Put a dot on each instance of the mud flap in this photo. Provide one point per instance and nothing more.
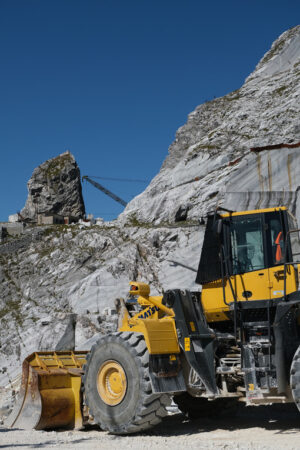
(168, 384)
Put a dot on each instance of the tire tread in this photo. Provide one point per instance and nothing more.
(295, 378)
(151, 408)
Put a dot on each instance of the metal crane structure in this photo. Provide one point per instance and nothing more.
(106, 191)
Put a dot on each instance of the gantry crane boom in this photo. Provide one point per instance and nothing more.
(106, 191)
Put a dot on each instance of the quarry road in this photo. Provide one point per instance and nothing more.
(272, 427)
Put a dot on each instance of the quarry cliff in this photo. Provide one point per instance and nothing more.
(211, 156)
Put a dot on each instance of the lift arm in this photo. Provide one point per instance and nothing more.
(103, 189)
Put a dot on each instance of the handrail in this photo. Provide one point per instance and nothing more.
(287, 263)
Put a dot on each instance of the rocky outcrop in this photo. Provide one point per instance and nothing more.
(55, 188)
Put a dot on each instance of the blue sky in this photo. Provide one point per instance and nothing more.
(113, 80)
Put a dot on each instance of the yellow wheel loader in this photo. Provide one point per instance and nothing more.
(236, 340)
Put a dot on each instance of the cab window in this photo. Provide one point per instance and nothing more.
(247, 249)
(294, 237)
(276, 225)
(277, 240)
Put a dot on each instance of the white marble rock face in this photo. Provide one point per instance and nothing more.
(81, 270)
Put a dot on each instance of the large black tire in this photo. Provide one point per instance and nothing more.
(295, 378)
(196, 407)
(139, 409)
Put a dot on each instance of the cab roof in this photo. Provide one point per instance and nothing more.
(254, 211)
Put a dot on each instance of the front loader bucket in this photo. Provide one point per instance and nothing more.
(50, 395)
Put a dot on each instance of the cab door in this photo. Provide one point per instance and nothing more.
(250, 286)
(276, 275)
(277, 224)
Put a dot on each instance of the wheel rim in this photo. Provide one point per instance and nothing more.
(111, 382)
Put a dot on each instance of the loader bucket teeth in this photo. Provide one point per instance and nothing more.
(50, 394)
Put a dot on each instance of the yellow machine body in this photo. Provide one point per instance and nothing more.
(265, 284)
(156, 321)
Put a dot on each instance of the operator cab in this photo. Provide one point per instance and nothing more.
(243, 259)
(256, 241)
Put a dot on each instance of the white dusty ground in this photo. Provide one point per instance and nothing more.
(273, 427)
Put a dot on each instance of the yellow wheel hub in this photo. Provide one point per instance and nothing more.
(111, 383)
